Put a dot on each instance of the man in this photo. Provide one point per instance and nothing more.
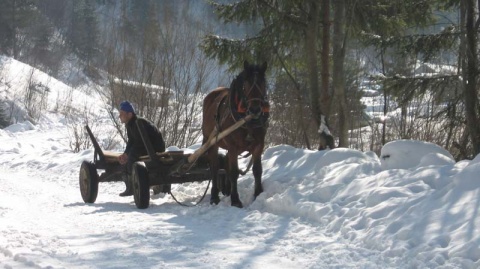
(135, 146)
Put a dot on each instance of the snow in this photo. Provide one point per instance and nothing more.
(407, 154)
(20, 127)
(340, 208)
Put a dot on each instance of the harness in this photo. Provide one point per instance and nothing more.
(235, 104)
(238, 101)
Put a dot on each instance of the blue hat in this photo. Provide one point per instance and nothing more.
(127, 107)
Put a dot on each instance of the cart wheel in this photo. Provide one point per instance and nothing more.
(141, 187)
(88, 180)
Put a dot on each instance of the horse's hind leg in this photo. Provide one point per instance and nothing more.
(223, 180)
(257, 173)
(213, 160)
(233, 176)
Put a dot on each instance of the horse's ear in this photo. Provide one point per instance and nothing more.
(245, 65)
(264, 67)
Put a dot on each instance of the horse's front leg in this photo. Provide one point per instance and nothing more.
(257, 172)
(213, 160)
(233, 176)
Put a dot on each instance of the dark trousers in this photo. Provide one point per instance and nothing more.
(129, 166)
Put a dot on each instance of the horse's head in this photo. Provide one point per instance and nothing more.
(255, 88)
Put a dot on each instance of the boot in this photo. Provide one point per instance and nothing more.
(129, 189)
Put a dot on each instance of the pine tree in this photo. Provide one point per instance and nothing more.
(285, 28)
(15, 16)
(83, 31)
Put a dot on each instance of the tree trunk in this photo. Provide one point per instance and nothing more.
(325, 76)
(339, 38)
(311, 59)
(320, 97)
(470, 75)
(403, 121)
(14, 29)
(385, 100)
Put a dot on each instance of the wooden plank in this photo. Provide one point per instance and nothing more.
(164, 156)
(111, 156)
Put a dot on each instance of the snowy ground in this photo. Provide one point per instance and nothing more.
(412, 207)
(332, 209)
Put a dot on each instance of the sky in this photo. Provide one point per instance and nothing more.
(411, 207)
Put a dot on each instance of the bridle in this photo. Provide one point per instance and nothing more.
(263, 100)
(238, 106)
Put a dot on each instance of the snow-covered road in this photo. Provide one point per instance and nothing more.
(333, 209)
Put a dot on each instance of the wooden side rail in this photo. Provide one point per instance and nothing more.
(96, 146)
(164, 157)
(112, 156)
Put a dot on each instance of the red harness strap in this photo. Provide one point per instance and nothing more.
(266, 108)
(242, 109)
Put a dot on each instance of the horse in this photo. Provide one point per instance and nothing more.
(223, 107)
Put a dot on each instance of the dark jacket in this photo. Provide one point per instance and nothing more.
(135, 146)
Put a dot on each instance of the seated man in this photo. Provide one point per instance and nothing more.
(135, 146)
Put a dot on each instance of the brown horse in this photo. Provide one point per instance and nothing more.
(222, 108)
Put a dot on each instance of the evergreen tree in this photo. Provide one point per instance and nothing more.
(285, 27)
(15, 16)
(83, 31)
(26, 33)
(456, 91)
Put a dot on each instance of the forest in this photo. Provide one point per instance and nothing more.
(373, 71)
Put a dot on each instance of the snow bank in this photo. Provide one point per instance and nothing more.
(405, 154)
(20, 127)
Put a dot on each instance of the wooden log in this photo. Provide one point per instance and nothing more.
(215, 136)
(111, 156)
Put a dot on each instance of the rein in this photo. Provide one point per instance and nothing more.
(190, 165)
(197, 203)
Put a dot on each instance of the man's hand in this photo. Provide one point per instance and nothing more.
(123, 159)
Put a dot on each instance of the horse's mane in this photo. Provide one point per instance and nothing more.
(235, 95)
(237, 84)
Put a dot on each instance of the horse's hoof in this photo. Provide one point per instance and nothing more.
(237, 204)
(214, 201)
(257, 193)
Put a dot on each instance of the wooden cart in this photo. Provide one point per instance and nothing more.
(156, 168)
